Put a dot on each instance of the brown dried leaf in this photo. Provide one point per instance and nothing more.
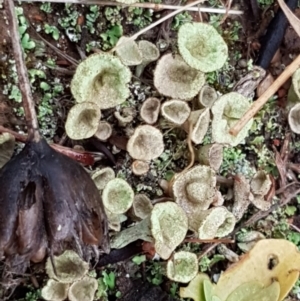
(294, 21)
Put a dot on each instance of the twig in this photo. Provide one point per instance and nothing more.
(163, 19)
(153, 6)
(282, 189)
(208, 241)
(18, 137)
(209, 249)
(258, 104)
(73, 61)
(261, 214)
(295, 228)
(28, 104)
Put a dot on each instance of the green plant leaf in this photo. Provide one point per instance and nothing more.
(208, 289)
(109, 279)
(26, 42)
(44, 86)
(139, 259)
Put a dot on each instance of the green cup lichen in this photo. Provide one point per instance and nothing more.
(83, 289)
(227, 111)
(55, 291)
(215, 222)
(202, 47)
(182, 267)
(146, 143)
(103, 79)
(69, 267)
(128, 52)
(83, 120)
(103, 176)
(294, 118)
(150, 110)
(117, 196)
(175, 111)
(174, 78)
(150, 53)
(169, 225)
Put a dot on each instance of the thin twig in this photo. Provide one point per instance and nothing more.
(295, 228)
(209, 241)
(18, 137)
(282, 189)
(259, 103)
(58, 51)
(163, 19)
(28, 104)
(209, 249)
(261, 214)
(153, 6)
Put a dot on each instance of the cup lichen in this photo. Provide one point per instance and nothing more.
(174, 78)
(117, 196)
(101, 78)
(202, 47)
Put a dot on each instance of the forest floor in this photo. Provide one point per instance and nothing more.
(56, 36)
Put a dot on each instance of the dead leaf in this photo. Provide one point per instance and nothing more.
(255, 291)
(269, 259)
(294, 21)
(195, 290)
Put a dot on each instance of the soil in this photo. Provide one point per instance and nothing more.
(243, 38)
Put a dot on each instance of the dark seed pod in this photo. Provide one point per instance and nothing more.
(48, 201)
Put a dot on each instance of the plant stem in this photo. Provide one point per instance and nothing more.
(28, 104)
(153, 6)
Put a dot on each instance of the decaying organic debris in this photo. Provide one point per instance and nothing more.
(48, 201)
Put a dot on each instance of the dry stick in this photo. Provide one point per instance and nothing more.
(261, 214)
(209, 241)
(258, 104)
(28, 104)
(18, 137)
(135, 36)
(153, 6)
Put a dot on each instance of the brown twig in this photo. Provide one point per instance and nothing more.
(28, 104)
(228, 6)
(163, 19)
(18, 137)
(208, 241)
(258, 104)
(154, 6)
(209, 249)
(295, 228)
(261, 214)
(71, 60)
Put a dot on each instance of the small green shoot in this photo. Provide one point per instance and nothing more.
(139, 259)
(290, 210)
(109, 279)
(46, 7)
(111, 36)
(52, 30)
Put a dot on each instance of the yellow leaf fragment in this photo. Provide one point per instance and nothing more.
(269, 260)
(195, 290)
(255, 291)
